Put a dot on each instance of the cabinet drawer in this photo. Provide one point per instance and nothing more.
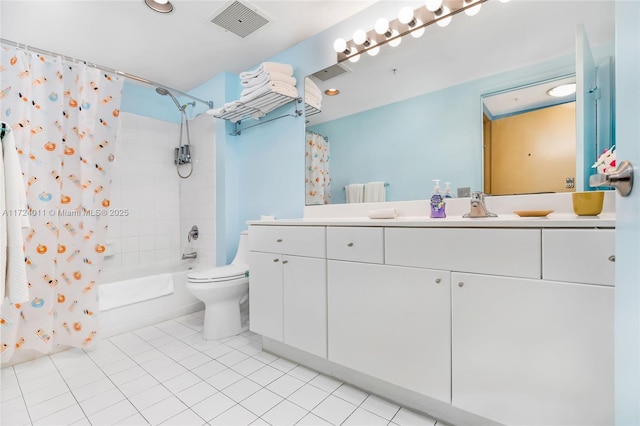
(578, 255)
(355, 243)
(297, 240)
(508, 252)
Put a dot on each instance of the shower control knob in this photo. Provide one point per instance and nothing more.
(350, 245)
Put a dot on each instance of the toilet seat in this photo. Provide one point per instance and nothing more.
(216, 275)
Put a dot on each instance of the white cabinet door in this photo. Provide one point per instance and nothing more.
(305, 304)
(392, 323)
(532, 352)
(265, 294)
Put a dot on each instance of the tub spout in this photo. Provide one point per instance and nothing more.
(191, 255)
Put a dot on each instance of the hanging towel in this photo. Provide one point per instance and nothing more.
(374, 192)
(355, 193)
(13, 272)
(122, 293)
(268, 67)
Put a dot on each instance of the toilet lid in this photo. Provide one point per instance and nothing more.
(223, 273)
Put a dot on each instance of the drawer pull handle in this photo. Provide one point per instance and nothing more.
(438, 280)
(460, 284)
(612, 258)
(350, 245)
(279, 240)
(284, 262)
(276, 260)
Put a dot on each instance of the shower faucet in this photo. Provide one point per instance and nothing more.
(193, 233)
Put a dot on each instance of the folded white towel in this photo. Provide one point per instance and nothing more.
(374, 192)
(265, 77)
(122, 293)
(250, 89)
(228, 107)
(391, 213)
(313, 101)
(355, 193)
(311, 88)
(268, 67)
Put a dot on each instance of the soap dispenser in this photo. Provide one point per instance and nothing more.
(437, 202)
(447, 190)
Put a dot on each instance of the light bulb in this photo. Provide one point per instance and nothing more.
(396, 42)
(417, 33)
(472, 10)
(340, 45)
(162, 1)
(433, 5)
(381, 26)
(355, 56)
(359, 37)
(505, 1)
(373, 51)
(406, 15)
(445, 21)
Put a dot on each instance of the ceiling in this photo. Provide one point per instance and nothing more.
(181, 49)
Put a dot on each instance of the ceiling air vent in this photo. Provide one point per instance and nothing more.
(239, 18)
(331, 72)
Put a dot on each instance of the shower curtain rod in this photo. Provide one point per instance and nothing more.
(103, 68)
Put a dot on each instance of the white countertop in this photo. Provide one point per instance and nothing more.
(553, 220)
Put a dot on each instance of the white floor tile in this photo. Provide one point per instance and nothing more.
(285, 385)
(146, 356)
(113, 414)
(218, 351)
(138, 385)
(265, 357)
(261, 402)
(51, 379)
(334, 410)
(16, 415)
(241, 389)
(223, 379)
(284, 414)
(149, 333)
(232, 358)
(260, 422)
(10, 393)
(303, 373)
(45, 393)
(66, 416)
(157, 363)
(283, 365)
(196, 393)
(406, 417)
(194, 360)
(163, 410)
(129, 375)
(51, 406)
(251, 349)
(351, 394)
(266, 375)
(238, 342)
(248, 366)
(325, 383)
(208, 369)
(213, 406)
(135, 420)
(308, 396)
(380, 407)
(92, 389)
(186, 418)
(363, 417)
(12, 406)
(118, 366)
(234, 416)
(168, 372)
(312, 420)
(181, 382)
(101, 401)
(149, 397)
(84, 378)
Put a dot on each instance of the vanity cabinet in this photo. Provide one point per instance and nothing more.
(287, 291)
(392, 323)
(532, 351)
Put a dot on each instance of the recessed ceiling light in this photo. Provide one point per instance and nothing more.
(331, 92)
(162, 6)
(562, 90)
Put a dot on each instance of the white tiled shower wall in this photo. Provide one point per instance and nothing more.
(147, 187)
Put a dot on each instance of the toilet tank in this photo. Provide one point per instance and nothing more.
(242, 255)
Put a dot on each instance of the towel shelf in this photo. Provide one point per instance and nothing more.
(310, 110)
(251, 109)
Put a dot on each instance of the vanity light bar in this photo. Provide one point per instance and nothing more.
(422, 18)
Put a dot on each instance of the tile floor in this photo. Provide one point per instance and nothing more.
(166, 374)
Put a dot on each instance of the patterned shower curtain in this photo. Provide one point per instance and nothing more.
(64, 119)
(318, 178)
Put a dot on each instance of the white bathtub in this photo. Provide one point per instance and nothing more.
(141, 314)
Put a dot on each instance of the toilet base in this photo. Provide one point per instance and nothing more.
(222, 320)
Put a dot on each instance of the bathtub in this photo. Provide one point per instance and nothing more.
(141, 314)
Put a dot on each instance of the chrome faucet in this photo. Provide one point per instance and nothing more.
(478, 208)
(191, 255)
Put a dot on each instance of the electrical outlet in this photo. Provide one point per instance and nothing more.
(570, 182)
(464, 192)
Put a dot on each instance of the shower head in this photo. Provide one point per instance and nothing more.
(162, 91)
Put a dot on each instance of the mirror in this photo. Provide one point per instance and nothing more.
(412, 113)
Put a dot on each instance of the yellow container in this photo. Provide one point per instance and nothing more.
(588, 203)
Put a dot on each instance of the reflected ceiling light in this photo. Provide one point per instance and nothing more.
(395, 42)
(505, 1)
(473, 10)
(562, 90)
(406, 15)
(340, 46)
(332, 92)
(419, 31)
(443, 11)
(433, 5)
(354, 55)
(374, 49)
(162, 6)
(381, 26)
(359, 37)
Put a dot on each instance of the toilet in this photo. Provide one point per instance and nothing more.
(225, 293)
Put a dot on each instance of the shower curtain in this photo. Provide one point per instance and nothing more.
(318, 178)
(64, 119)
